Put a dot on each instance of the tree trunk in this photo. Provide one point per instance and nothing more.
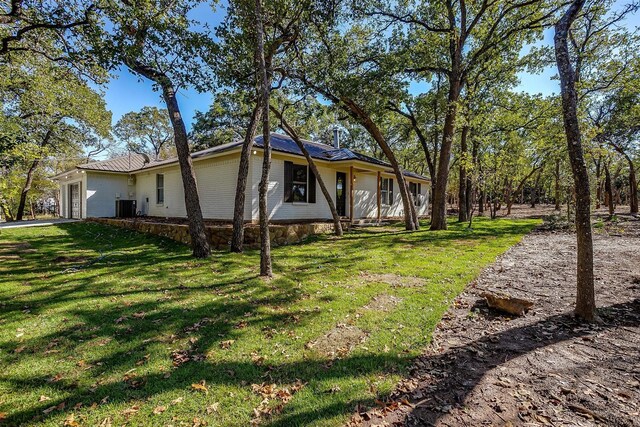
(27, 185)
(633, 188)
(337, 226)
(508, 199)
(364, 119)
(197, 232)
(422, 139)
(439, 214)
(463, 214)
(471, 191)
(7, 212)
(26, 188)
(585, 298)
(598, 181)
(265, 86)
(557, 185)
(534, 191)
(608, 189)
(237, 236)
(410, 214)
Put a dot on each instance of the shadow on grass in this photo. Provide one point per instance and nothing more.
(234, 291)
(449, 388)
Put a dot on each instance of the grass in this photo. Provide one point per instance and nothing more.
(95, 322)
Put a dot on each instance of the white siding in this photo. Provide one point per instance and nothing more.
(173, 205)
(397, 208)
(281, 210)
(217, 182)
(216, 179)
(366, 195)
(423, 209)
(102, 191)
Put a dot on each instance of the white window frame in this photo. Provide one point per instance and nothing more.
(384, 192)
(159, 188)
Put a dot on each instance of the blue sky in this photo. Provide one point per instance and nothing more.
(127, 92)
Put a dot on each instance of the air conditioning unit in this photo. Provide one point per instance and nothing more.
(125, 208)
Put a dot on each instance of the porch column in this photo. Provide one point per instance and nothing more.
(379, 197)
(351, 192)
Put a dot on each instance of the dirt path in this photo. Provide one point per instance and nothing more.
(541, 369)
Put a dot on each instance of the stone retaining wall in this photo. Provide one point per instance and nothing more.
(220, 235)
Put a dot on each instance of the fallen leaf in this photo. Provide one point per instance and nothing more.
(213, 408)
(257, 359)
(159, 409)
(240, 325)
(178, 400)
(131, 411)
(55, 378)
(144, 360)
(43, 398)
(3, 416)
(197, 422)
(106, 422)
(334, 389)
(20, 349)
(139, 315)
(58, 407)
(70, 421)
(226, 344)
(201, 386)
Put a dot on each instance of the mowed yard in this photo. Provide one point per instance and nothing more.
(103, 326)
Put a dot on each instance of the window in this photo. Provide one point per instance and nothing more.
(299, 188)
(160, 188)
(299, 183)
(386, 191)
(416, 191)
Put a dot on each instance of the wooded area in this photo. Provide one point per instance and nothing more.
(510, 298)
(430, 86)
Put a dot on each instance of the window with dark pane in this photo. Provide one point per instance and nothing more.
(414, 189)
(159, 188)
(386, 191)
(300, 180)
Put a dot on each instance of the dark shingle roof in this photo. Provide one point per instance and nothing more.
(280, 143)
(321, 151)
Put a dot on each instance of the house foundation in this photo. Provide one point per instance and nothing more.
(220, 235)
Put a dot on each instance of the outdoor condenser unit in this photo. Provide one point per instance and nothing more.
(125, 208)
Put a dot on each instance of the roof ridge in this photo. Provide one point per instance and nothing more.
(307, 141)
(97, 162)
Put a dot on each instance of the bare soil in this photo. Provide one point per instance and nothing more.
(393, 280)
(383, 302)
(545, 368)
(339, 341)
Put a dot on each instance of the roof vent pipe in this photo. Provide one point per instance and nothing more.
(336, 138)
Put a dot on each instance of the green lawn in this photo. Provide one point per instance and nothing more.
(103, 325)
